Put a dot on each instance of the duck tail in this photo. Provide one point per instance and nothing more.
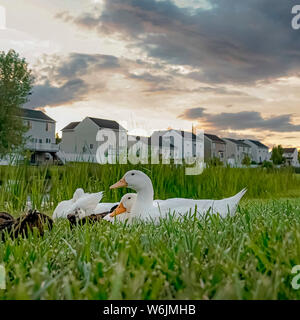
(237, 199)
(240, 195)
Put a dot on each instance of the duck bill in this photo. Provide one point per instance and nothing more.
(119, 210)
(120, 184)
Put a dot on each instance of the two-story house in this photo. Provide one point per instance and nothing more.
(236, 151)
(40, 136)
(179, 144)
(259, 151)
(214, 147)
(291, 156)
(79, 139)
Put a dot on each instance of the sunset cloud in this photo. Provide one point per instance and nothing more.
(242, 120)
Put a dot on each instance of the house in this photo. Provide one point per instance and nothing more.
(176, 144)
(40, 136)
(79, 139)
(259, 152)
(139, 146)
(236, 151)
(291, 156)
(214, 147)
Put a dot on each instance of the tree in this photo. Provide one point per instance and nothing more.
(277, 155)
(246, 161)
(15, 86)
(57, 138)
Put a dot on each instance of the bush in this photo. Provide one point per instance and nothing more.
(267, 164)
(246, 161)
(215, 162)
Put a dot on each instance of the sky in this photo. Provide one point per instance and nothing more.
(229, 67)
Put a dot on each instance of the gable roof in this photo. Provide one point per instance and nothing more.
(108, 124)
(70, 126)
(258, 144)
(214, 138)
(238, 142)
(289, 150)
(184, 134)
(35, 115)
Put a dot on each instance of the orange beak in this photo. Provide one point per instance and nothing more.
(120, 209)
(120, 184)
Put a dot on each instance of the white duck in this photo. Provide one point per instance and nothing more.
(123, 211)
(84, 204)
(145, 208)
(63, 206)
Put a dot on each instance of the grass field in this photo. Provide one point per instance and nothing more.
(249, 256)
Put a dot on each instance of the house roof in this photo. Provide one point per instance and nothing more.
(214, 138)
(70, 126)
(289, 150)
(259, 144)
(108, 124)
(36, 115)
(184, 134)
(238, 142)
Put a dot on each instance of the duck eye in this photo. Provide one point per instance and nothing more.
(129, 198)
(132, 174)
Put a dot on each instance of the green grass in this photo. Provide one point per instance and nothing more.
(249, 256)
(59, 183)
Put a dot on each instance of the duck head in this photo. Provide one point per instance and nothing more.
(134, 179)
(126, 204)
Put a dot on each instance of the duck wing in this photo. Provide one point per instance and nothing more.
(86, 203)
(181, 206)
(62, 208)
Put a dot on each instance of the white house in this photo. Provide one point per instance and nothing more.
(259, 152)
(176, 144)
(40, 137)
(79, 139)
(291, 156)
(236, 151)
(214, 147)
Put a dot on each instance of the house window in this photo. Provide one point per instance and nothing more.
(91, 146)
(48, 140)
(41, 141)
(48, 126)
(29, 124)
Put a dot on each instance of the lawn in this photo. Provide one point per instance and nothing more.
(248, 256)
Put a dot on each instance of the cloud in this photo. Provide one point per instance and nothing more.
(78, 76)
(242, 120)
(231, 42)
(47, 94)
(78, 64)
(63, 80)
